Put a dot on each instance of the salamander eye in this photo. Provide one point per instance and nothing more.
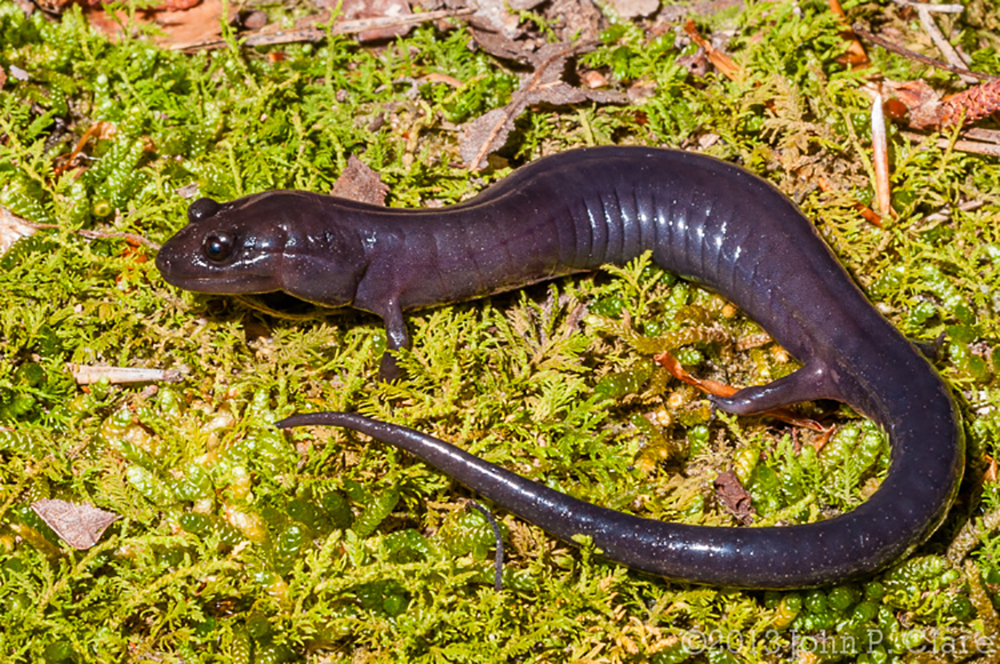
(217, 247)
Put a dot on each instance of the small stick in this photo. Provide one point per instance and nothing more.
(941, 9)
(976, 147)
(889, 46)
(987, 135)
(720, 60)
(866, 212)
(313, 34)
(950, 54)
(131, 238)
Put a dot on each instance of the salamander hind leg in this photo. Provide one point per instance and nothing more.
(812, 381)
(396, 338)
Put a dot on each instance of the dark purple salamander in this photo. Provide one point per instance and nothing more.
(702, 218)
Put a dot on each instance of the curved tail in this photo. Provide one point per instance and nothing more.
(854, 544)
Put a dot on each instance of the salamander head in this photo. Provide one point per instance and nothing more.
(274, 241)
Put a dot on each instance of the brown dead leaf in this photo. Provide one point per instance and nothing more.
(922, 102)
(178, 20)
(485, 134)
(855, 56)
(12, 229)
(254, 20)
(79, 524)
(570, 20)
(359, 182)
(577, 20)
(734, 497)
(990, 474)
(51, 6)
(58, 6)
(187, 25)
(437, 77)
(496, 44)
(544, 85)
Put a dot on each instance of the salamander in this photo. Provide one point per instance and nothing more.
(702, 218)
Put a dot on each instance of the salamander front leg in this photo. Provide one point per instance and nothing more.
(812, 381)
(395, 339)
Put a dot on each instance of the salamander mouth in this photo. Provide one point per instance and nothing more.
(241, 285)
(182, 274)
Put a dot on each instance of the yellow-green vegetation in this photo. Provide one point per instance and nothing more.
(239, 543)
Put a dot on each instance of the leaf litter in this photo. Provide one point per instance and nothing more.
(545, 84)
(78, 524)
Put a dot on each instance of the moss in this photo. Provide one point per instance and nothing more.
(241, 544)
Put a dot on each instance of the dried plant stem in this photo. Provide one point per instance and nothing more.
(941, 9)
(889, 46)
(975, 147)
(314, 34)
(131, 238)
(880, 157)
(943, 45)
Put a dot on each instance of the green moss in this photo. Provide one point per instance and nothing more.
(238, 543)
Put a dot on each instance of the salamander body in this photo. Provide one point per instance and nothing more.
(704, 219)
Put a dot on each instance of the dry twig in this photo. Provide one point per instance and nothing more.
(889, 46)
(976, 147)
(943, 45)
(314, 34)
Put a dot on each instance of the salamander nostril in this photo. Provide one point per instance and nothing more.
(202, 209)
